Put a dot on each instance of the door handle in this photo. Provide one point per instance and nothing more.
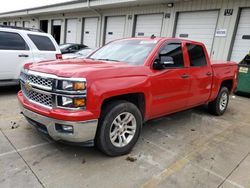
(209, 74)
(185, 76)
(23, 55)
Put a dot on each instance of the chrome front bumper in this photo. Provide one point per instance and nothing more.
(83, 130)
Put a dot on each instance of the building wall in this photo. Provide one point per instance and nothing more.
(221, 45)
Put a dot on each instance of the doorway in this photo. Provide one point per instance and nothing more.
(56, 30)
(44, 25)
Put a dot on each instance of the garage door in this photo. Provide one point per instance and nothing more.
(198, 26)
(71, 32)
(26, 24)
(114, 28)
(90, 32)
(19, 24)
(241, 45)
(147, 25)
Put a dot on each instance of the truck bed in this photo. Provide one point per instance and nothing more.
(223, 70)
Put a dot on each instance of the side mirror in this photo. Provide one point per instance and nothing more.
(166, 61)
(163, 62)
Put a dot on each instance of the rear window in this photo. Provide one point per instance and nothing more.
(196, 55)
(42, 43)
(12, 41)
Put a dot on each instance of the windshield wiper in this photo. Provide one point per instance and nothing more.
(108, 60)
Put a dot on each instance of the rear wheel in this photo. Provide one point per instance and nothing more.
(119, 128)
(219, 105)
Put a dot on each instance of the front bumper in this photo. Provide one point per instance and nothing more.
(83, 131)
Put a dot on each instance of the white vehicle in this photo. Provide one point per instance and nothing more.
(19, 46)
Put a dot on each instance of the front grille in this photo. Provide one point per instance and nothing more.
(35, 88)
(37, 80)
(45, 89)
(43, 99)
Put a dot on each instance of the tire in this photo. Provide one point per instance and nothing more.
(119, 128)
(219, 105)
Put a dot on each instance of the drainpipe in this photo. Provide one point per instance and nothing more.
(100, 15)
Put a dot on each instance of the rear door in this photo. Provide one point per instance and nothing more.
(200, 74)
(45, 47)
(14, 53)
(170, 86)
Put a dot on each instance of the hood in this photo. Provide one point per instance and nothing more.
(86, 68)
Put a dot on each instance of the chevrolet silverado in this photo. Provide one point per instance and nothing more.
(105, 98)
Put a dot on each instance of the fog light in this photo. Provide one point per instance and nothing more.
(64, 128)
(67, 128)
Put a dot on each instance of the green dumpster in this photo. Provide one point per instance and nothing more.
(244, 79)
(244, 76)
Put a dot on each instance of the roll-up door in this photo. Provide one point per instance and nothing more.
(90, 32)
(114, 28)
(148, 25)
(198, 26)
(241, 45)
(71, 32)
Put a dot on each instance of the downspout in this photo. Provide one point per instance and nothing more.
(100, 17)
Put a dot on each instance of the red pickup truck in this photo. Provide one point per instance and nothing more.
(105, 98)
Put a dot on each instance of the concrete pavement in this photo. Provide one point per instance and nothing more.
(187, 149)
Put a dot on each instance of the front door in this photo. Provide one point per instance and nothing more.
(170, 86)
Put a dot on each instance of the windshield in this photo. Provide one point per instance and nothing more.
(63, 46)
(133, 52)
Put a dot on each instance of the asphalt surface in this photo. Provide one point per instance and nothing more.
(187, 149)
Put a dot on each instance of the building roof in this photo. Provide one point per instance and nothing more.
(45, 6)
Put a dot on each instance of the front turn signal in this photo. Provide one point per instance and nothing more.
(79, 102)
(79, 86)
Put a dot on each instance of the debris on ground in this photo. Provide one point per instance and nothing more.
(14, 125)
(131, 158)
(192, 129)
(83, 161)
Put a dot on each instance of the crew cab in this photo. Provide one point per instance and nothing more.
(107, 97)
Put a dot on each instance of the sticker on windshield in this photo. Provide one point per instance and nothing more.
(148, 41)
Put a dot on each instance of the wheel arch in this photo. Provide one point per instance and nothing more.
(137, 99)
(228, 84)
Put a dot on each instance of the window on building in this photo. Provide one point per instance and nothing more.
(12, 41)
(196, 55)
(42, 43)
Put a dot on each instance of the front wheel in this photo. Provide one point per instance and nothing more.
(219, 105)
(119, 128)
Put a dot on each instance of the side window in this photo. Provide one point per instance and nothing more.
(171, 55)
(42, 43)
(12, 41)
(196, 55)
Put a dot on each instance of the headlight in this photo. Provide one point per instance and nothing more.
(68, 102)
(72, 85)
(73, 93)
